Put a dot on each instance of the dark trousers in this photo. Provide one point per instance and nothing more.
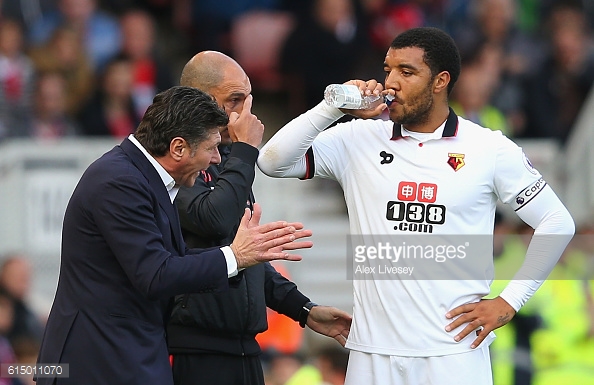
(217, 369)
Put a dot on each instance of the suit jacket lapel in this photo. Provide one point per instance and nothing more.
(156, 183)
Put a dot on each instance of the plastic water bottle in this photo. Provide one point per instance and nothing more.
(349, 97)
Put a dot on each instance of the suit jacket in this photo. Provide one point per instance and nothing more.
(123, 258)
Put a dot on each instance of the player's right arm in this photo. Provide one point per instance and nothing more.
(284, 155)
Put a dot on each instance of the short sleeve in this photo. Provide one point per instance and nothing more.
(516, 181)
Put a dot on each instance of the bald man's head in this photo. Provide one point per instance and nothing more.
(206, 70)
(220, 76)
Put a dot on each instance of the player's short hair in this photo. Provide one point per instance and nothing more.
(179, 112)
(441, 52)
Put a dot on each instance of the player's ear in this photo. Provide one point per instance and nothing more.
(441, 81)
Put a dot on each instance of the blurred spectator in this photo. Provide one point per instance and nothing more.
(530, 13)
(496, 23)
(291, 369)
(16, 79)
(6, 323)
(455, 12)
(332, 363)
(64, 53)
(151, 74)
(160, 10)
(6, 314)
(563, 348)
(26, 351)
(479, 78)
(111, 112)
(433, 11)
(385, 19)
(256, 41)
(389, 19)
(99, 31)
(49, 119)
(557, 91)
(511, 358)
(324, 48)
(379, 19)
(299, 9)
(26, 12)
(119, 7)
(209, 21)
(15, 279)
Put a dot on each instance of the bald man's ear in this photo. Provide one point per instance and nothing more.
(177, 147)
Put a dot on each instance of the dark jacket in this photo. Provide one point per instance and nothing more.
(123, 258)
(210, 213)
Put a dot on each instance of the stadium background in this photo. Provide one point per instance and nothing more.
(272, 40)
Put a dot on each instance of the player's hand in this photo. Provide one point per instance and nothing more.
(246, 127)
(331, 322)
(370, 87)
(488, 314)
(255, 243)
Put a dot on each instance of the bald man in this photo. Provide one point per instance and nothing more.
(211, 336)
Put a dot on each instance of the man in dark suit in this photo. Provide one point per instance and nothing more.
(123, 256)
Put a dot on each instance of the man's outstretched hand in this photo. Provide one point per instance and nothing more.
(255, 243)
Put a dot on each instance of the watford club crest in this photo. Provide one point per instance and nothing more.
(456, 161)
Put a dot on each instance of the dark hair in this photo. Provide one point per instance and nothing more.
(441, 52)
(179, 111)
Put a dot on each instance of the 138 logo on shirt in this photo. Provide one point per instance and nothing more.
(415, 209)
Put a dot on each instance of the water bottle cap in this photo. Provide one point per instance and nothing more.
(388, 99)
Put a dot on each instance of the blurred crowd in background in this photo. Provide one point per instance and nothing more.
(91, 67)
(80, 68)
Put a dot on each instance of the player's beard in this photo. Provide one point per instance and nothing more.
(416, 110)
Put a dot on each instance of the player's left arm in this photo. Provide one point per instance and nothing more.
(522, 187)
(554, 228)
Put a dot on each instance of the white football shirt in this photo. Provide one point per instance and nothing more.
(397, 183)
